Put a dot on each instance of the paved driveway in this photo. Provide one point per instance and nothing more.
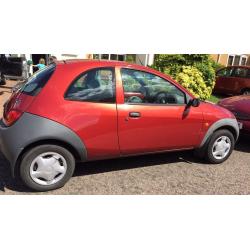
(171, 173)
(5, 92)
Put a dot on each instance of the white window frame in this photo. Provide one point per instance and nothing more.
(234, 55)
(109, 58)
(243, 56)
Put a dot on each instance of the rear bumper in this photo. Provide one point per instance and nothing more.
(8, 145)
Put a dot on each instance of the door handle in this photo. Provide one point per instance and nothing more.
(134, 114)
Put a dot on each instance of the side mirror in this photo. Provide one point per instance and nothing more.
(194, 102)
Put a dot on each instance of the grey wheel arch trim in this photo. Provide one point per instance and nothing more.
(30, 129)
(226, 122)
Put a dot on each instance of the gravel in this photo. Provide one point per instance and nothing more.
(169, 173)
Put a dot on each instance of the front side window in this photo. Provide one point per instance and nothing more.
(143, 87)
(225, 72)
(240, 72)
(97, 85)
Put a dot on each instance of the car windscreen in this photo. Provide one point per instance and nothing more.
(36, 82)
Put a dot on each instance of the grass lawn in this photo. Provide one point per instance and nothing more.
(215, 98)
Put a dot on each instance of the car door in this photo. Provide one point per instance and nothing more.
(224, 80)
(240, 80)
(152, 114)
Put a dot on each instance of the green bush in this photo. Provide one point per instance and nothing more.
(175, 65)
(192, 79)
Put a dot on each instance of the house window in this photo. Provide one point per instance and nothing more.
(230, 60)
(243, 61)
(236, 60)
(117, 57)
(105, 56)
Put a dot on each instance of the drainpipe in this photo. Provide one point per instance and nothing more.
(146, 60)
(218, 60)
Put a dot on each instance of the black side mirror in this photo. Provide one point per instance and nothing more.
(194, 102)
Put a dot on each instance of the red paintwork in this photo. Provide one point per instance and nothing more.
(238, 104)
(232, 85)
(106, 129)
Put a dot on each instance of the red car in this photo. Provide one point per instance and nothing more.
(90, 110)
(240, 107)
(233, 80)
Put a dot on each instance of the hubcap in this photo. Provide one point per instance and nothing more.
(246, 92)
(48, 168)
(221, 147)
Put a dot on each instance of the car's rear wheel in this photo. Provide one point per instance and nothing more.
(46, 167)
(220, 146)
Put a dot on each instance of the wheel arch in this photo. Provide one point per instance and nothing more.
(229, 128)
(227, 123)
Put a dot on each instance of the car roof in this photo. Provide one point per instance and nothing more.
(239, 66)
(99, 63)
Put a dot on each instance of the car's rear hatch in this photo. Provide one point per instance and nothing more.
(24, 94)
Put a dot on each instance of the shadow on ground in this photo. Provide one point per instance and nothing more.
(97, 167)
(5, 87)
(91, 168)
(6, 180)
(243, 144)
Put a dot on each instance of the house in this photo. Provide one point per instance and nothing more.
(142, 59)
(232, 59)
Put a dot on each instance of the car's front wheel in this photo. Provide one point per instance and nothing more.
(220, 146)
(245, 92)
(46, 167)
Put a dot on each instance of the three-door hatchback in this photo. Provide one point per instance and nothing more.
(90, 110)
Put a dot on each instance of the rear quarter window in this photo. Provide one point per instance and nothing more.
(96, 85)
(36, 82)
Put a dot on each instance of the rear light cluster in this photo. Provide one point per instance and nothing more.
(10, 116)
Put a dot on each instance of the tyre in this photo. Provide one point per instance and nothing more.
(46, 167)
(246, 92)
(220, 146)
(2, 80)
